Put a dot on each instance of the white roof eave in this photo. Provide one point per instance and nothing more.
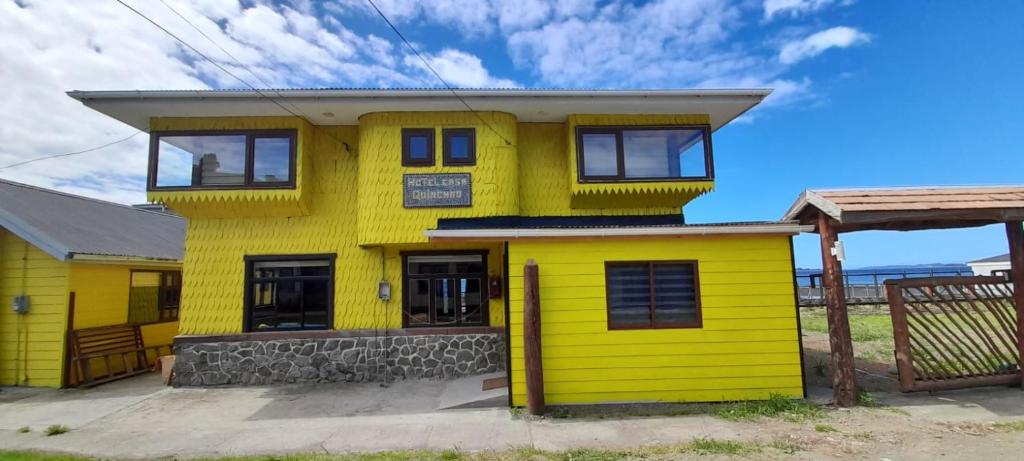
(136, 107)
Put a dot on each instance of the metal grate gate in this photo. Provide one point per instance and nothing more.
(954, 332)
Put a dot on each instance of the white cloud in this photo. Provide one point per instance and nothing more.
(50, 47)
(817, 43)
(460, 69)
(773, 8)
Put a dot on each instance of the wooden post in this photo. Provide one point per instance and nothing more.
(531, 339)
(900, 335)
(844, 388)
(1015, 237)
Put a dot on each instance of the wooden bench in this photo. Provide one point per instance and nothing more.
(120, 350)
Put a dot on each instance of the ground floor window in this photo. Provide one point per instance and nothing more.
(652, 294)
(444, 289)
(293, 292)
(153, 296)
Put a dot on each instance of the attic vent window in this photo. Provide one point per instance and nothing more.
(222, 159)
(637, 154)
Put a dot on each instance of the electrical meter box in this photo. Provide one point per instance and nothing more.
(20, 304)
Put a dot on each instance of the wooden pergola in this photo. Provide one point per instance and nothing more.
(902, 209)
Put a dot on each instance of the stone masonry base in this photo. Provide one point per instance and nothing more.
(351, 359)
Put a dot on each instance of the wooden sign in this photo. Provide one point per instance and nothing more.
(437, 190)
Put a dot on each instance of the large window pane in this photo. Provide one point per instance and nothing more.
(271, 159)
(223, 160)
(629, 294)
(600, 157)
(674, 153)
(153, 296)
(647, 153)
(674, 294)
(290, 295)
(445, 290)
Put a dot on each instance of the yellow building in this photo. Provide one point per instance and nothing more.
(381, 234)
(69, 263)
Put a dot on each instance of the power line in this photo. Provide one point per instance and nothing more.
(68, 154)
(417, 53)
(226, 52)
(222, 68)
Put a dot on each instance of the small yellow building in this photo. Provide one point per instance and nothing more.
(69, 263)
(381, 234)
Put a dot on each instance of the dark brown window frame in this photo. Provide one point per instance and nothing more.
(446, 153)
(160, 306)
(485, 311)
(653, 325)
(709, 164)
(250, 136)
(407, 159)
(247, 296)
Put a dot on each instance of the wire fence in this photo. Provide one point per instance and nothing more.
(865, 287)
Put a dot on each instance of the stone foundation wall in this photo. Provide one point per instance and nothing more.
(321, 360)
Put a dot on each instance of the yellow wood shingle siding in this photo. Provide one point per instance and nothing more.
(382, 218)
(31, 345)
(241, 203)
(543, 181)
(213, 277)
(630, 194)
(748, 347)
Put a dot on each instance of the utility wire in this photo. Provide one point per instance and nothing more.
(68, 154)
(225, 70)
(431, 68)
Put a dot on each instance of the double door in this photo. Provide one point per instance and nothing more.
(444, 290)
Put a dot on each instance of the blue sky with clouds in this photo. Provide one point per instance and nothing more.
(866, 93)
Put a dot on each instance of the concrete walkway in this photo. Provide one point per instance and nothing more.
(139, 418)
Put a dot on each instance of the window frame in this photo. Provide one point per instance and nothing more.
(248, 284)
(620, 155)
(407, 159)
(446, 153)
(250, 155)
(653, 325)
(485, 308)
(161, 290)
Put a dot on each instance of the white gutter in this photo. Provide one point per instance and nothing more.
(133, 260)
(512, 234)
(416, 93)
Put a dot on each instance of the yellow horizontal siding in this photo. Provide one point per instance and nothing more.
(747, 348)
(32, 345)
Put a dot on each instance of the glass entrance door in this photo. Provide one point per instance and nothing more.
(443, 290)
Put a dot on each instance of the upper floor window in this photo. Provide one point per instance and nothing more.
(222, 159)
(657, 153)
(417, 147)
(459, 146)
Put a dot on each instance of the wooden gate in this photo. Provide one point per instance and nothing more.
(954, 332)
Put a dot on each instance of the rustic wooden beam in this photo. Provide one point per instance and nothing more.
(534, 366)
(844, 387)
(901, 336)
(1015, 237)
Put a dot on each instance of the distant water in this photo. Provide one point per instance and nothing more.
(864, 276)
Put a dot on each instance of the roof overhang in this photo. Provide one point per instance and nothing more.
(115, 259)
(345, 106)
(781, 228)
(910, 208)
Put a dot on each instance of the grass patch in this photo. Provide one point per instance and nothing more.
(699, 447)
(863, 327)
(777, 406)
(24, 430)
(1010, 426)
(865, 399)
(56, 429)
(825, 428)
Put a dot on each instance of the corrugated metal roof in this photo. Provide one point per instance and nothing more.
(65, 225)
(1004, 258)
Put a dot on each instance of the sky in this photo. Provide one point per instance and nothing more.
(866, 93)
